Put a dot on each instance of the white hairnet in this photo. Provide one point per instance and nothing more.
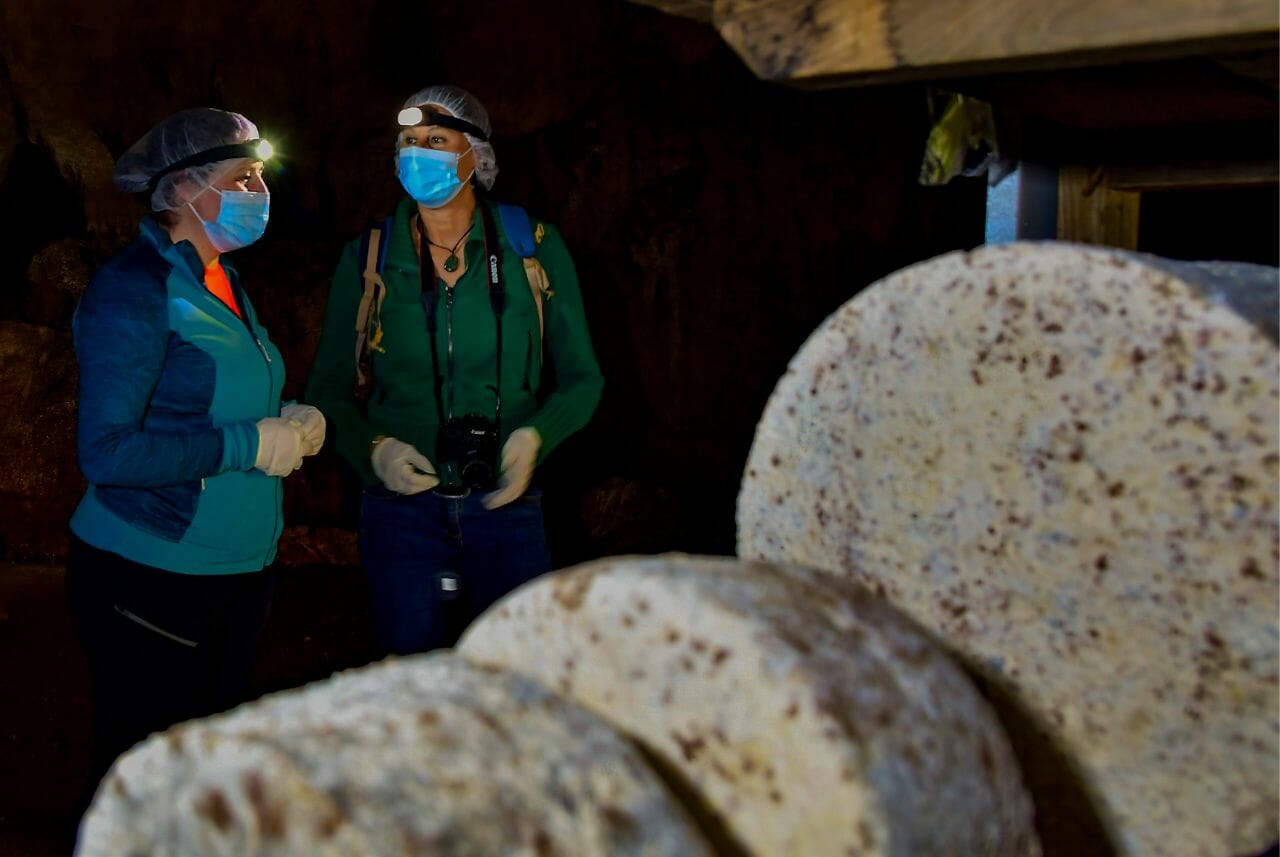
(462, 104)
(180, 136)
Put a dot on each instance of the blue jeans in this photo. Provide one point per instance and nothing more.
(436, 563)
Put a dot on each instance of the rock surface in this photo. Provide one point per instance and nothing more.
(39, 481)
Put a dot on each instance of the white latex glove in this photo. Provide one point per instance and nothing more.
(279, 446)
(311, 423)
(519, 454)
(402, 468)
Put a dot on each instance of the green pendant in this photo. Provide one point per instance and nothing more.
(451, 264)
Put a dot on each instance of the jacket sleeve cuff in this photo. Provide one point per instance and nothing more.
(239, 446)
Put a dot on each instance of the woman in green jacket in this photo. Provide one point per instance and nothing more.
(454, 327)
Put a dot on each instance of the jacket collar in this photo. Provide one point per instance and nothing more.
(183, 254)
(400, 252)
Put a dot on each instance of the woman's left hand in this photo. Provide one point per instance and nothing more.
(519, 455)
(310, 422)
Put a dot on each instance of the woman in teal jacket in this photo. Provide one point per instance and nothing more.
(182, 439)
(480, 365)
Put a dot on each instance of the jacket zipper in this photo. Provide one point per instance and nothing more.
(262, 349)
(448, 315)
(275, 521)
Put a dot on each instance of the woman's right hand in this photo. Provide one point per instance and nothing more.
(402, 468)
(310, 422)
(280, 446)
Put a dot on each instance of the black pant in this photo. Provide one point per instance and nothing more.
(162, 647)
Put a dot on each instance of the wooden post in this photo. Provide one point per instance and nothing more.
(1090, 212)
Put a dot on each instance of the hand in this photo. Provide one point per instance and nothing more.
(310, 421)
(402, 468)
(279, 446)
(519, 455)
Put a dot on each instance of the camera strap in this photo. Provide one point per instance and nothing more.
(497, 301)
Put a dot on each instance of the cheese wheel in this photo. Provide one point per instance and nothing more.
(1062, 461)
(421, 756)
(799, 713)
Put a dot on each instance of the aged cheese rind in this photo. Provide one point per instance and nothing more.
(426, 755)
(808, 716)
(1063, 461)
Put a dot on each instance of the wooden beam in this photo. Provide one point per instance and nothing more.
(1193, 176)
(841, 42)
(699, 10)
(1090, 212)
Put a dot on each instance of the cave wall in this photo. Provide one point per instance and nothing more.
(715, 221)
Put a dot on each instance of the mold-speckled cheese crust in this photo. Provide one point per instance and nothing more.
(810, 717)
(421, 756)
(1063, 461)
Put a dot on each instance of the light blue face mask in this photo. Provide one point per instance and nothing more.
(241, 220)
(429, 175)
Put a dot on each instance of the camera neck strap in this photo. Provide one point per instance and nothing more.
(497, 301)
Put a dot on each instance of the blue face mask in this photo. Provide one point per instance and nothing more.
(241, 220)
(429, 175)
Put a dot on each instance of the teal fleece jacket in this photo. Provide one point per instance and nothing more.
(172, 384)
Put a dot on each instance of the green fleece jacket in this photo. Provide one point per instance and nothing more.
(557, 403)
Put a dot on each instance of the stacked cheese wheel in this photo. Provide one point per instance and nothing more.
(1063, 462)
(422, 756)
(789, 712)
(802, 714)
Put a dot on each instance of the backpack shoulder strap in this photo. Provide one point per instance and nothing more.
(519, 232)
(515, 223)
(373, 252)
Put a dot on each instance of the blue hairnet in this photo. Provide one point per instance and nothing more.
(462, 104)
(181, 135)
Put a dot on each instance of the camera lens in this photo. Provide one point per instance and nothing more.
(477, 473)
(472, 443)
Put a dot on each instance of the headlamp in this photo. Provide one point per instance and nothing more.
(258, 150)
(411, 117)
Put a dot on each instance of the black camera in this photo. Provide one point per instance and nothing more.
(470, 444)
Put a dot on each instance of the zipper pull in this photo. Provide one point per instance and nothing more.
(262, 348)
